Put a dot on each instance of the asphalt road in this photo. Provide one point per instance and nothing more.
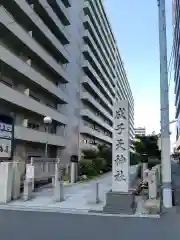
(175, 169)
(20, 225)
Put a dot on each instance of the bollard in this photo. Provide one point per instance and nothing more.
(16, 181)
(27, 194)
(144, 171)
(97, 193)
(53, 181)
(30, 174)
(58, 185)
(59, 191)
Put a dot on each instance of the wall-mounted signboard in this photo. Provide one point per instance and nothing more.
(6, 137)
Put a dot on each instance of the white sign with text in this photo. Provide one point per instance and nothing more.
(5, 140)
(120, 154)
(5, 148)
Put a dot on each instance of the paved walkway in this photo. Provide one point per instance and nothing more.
(79, 197)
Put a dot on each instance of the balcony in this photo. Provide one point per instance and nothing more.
(60, 10)
(26, 70)
(89, 69)
(21, 100)
(87, 97)
(106, 42)
(122, 82)
(92, 59)
(94, 133)
(88, 114)
(55, 20)
(105, 27)
(22, 10)
(66, 3)
(89, 26)
(90, 40)
(88, 84)
(26, 39)
(25, 134)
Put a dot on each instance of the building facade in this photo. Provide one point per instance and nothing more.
(60, 59)
(104, 78)
(176, 45)
(141, 131)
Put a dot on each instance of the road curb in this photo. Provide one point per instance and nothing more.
(73, 211)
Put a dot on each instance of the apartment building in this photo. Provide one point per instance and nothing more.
(141, 131)
(176, 43)
(59, 58)
(104, 78)
(33, 76)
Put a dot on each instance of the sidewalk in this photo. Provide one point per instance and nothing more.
(79, 197)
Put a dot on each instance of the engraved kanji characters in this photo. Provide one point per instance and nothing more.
(120, 114)
(119, 176)
(120, 144)
(119, 128)
(119, 159)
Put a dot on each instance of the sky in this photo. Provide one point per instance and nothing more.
(135, 25)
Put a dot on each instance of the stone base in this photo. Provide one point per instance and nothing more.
(152, 206)
(119, 203)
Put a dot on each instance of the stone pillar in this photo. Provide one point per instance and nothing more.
(94, 196)
(16, 181)
(58, 185)
(152, 184)
(73, 172)
(6, 178)
(74, 166)
(120, 199)
(144, 171)
(30, 172)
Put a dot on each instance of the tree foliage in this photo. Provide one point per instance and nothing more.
(96, 161)
(147, 146)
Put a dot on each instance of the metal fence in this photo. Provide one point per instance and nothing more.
(44, 168)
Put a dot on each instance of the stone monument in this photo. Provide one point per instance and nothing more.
(120, 199)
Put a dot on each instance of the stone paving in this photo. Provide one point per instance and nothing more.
(78, 197)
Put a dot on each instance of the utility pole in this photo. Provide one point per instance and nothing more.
(164, 99)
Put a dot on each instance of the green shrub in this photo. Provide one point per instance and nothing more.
(89, 154)
(105, 153)
(87, 167)
(99, 164)
(153, 162)
(134, 158)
